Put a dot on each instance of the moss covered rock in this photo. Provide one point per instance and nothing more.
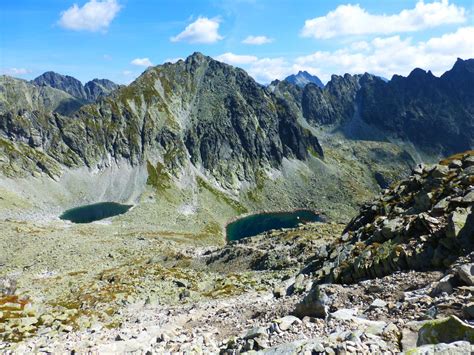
(445, 330)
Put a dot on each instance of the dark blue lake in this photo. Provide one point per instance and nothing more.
(95, 212)
(262, 222)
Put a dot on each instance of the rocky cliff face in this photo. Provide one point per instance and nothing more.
(197, 111)
(333, 104)
(436, 114)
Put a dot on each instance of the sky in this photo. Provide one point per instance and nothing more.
(270, 39)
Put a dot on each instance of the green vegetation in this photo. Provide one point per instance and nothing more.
(157, 176)
(221, 196)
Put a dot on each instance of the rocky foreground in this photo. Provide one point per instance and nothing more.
(398, 278)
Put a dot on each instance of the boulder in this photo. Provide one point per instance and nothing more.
(378, 303)
(446, 330)
(468, 161)
(468, 198)
(316, 303)
(455, 164)
(284, 288)
(392, 227)
(456, 221)
(466, 274)
(422, 202)
(301, 284)
(286, 322)
(459, 347)
(443, 285)
(312, 346)
(441, 206)
(256, 332)
(344, 314)
(439, 171)
(468, 311)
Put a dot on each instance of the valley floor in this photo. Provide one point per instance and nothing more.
(87, 291)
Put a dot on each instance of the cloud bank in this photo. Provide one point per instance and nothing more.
(354, 20)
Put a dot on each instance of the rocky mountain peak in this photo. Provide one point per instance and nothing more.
(197, 58)
(88, 92)
(463, 65)
(303, 78)
(461, 77)
(65, 83)
(99, 87)
(418, 74)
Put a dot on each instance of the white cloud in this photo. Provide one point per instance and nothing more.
(266, 70)
(394, 55)
(203, 30)
(354, 20)
(382, 56)
(236, 59)
(142, 62)
(93, 16)
(263, 70)
(16, 71)
(360, 46)
(257, 40)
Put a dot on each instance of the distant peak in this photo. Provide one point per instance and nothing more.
(303, 78)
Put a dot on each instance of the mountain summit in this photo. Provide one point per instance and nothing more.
(88, 92)
(303, 78)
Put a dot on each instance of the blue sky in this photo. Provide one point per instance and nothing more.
(117, 39)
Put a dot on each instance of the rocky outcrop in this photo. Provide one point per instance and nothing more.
(424, 222)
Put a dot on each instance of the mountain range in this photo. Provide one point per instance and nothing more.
(202, 121)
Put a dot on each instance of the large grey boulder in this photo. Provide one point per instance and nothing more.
(466, 274)
(446, 330)
(456, 348)
(317, 302)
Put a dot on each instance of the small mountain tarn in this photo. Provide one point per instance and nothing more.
(262, 222)
(94, 212)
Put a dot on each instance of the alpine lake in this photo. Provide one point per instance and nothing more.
(94, 212)
(258, 223)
